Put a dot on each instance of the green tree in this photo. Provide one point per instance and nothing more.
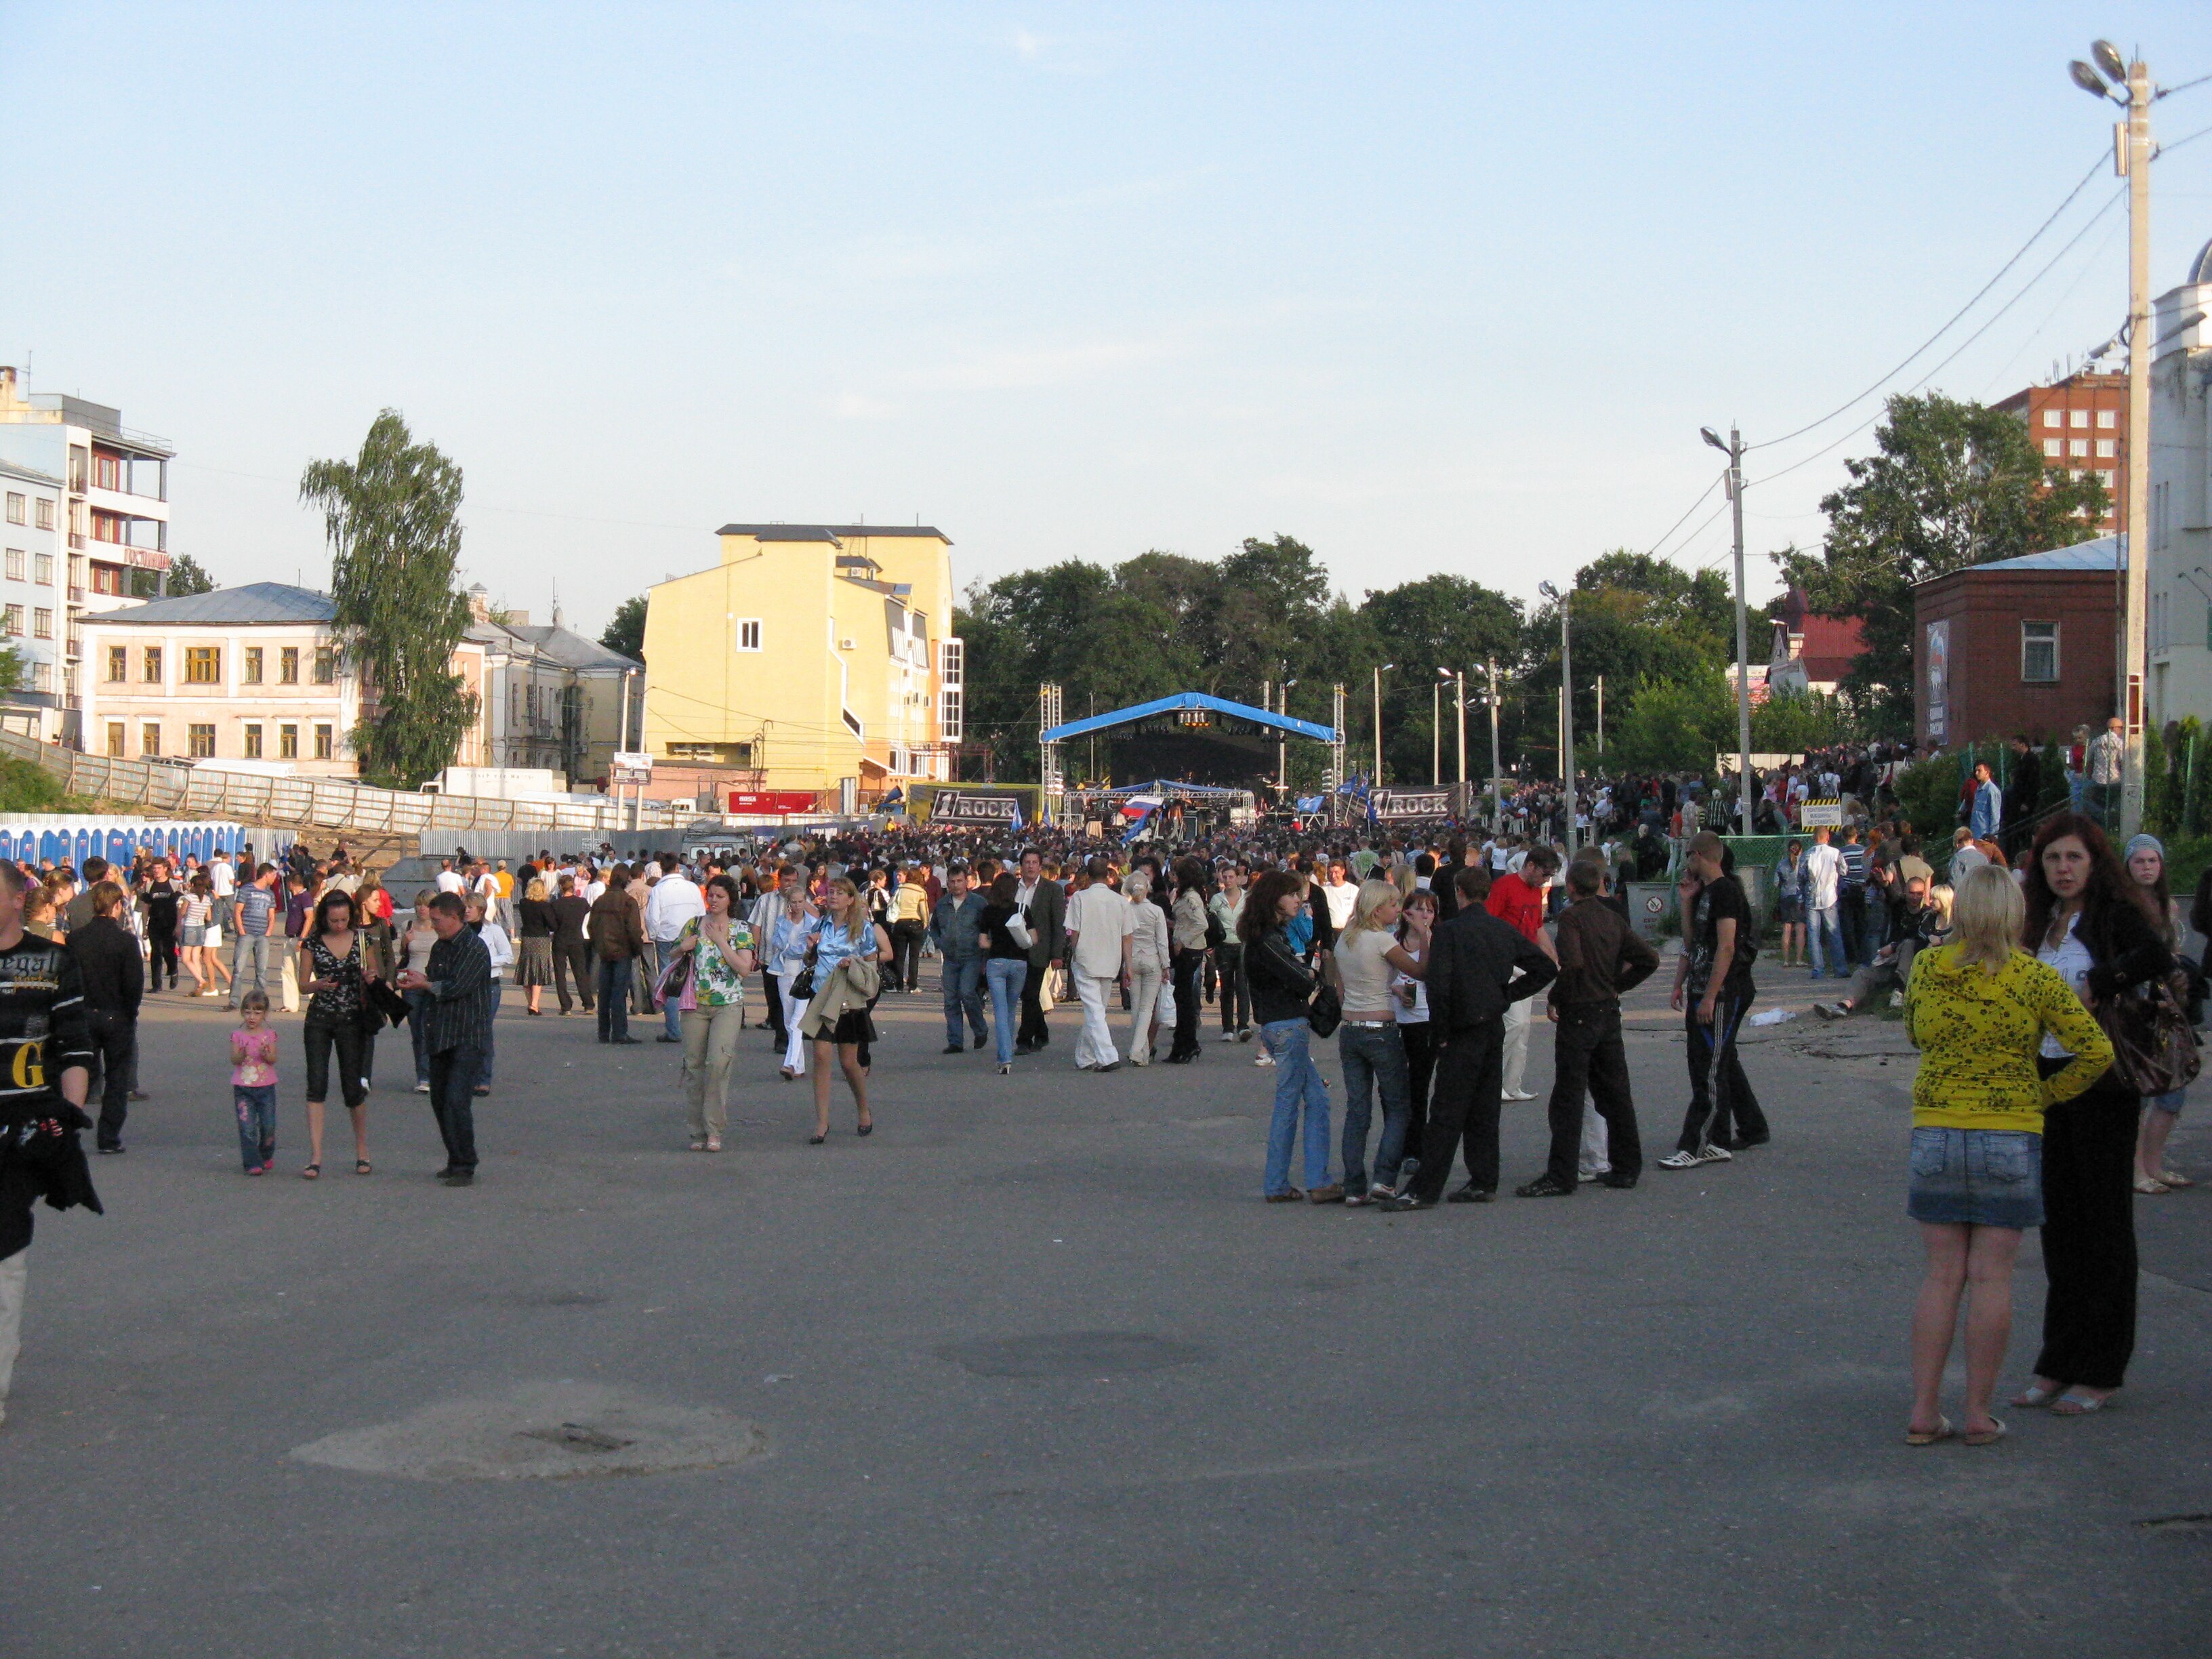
(1791, 724)
(1440, 621)
(186, 576)
(1951, 485)
(626, 632)
(390, 518)
(1675, 725)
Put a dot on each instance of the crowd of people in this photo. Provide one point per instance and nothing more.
(1424, 956)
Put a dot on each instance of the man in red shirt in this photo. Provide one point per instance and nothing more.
(1518, 902)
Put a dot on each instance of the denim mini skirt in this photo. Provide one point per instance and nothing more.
(1977, 1178)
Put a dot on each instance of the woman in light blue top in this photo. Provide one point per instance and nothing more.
(848, 931)
(792, 935)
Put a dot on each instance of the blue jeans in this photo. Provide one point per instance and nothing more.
(1005, 980)
(418, 1016)
(1823, 927)
(963, 995)
(656, 957)
(1376, 1056)
(255, 949)
(483, 1075)
(613, 1001)
(257, 1122)
(1296, 1082)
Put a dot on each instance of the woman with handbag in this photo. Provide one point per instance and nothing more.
(849, 951)
(2146, 856)
(334, 971)
(1187, 936)
(714, 953)
(790, 942)
(1148, 962)
(1003, 931)
(2086, 919)
(1281, 987)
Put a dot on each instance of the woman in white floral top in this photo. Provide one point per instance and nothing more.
(721, 947)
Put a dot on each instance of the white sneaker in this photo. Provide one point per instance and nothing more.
(1263, 1059)
(1228, 1036)
(1706, 1154)
(1517, 1094)
(1587, 1175)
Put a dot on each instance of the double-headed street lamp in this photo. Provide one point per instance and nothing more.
(1566, 710)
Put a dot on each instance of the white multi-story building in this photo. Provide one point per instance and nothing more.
(546, 697)
(2180, 529)
(32, 615)
(114, 508)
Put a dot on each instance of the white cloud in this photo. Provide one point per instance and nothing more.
(859, 406)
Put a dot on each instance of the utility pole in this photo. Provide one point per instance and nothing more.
(1733, 449)
(1600, 716)
(2134, 158)
(1497, 767)
(1436, 732)
(1566, 601)
(1376, 782)
(1459, 705)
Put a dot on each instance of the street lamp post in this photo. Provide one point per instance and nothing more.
(1376, 782)
(2131, 88)
(1436, 728)
(1566, 710)
(1459, 706)
(1497, 768)
(1734, 450)
(1282, 743)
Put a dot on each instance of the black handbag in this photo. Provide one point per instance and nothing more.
(1326, 1012)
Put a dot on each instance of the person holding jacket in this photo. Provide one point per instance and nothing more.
(114, 983)
(1478, 968)
(952, 931)
(617, 933)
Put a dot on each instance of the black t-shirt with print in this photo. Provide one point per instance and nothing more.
(1718, 901)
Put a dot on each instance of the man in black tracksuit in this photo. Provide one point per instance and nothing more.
(114, 980)
(1474, 962)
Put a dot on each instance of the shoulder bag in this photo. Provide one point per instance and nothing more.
(1326, 1012)
(2154, 1049)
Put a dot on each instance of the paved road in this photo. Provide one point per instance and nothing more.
(1032, 1372)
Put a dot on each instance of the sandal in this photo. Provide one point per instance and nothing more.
(1988, 1436)
(1288, 1195)
(2173, 1180)
(2031, 1398)
(2070, 1404)
(1928, 1437)
(816, 1140)
(312, 1172)
(2151, 1189)
(699, 1144)
(713, 1143)
(360, 1166)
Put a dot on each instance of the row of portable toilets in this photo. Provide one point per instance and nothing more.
(32, 839)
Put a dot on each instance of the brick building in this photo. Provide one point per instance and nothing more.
(2081, 423)
(2020, 645)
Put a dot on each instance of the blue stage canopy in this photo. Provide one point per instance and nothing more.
(1143, 711)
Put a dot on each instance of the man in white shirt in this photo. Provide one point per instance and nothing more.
(1099, 925)
(672, 902)
(1824, 872)
(1341, 893)
(224, 881)
(449, 879)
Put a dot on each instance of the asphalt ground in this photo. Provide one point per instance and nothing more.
(1032, 1370)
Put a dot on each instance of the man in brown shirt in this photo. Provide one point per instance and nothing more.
(1599, 957)
(617, 937)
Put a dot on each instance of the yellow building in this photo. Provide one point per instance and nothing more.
(812, 654)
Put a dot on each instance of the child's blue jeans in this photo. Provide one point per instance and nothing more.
(257, 1122)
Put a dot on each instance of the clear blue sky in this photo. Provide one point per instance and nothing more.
(1427, 287)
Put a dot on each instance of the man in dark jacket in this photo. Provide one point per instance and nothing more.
(2021, 795)
(1599, 957)
(114, 984)
(45, 1061)
(952, 930)
(572, 946)
(457, 1028)
(1478, 968)
(618, 939)
(1045, 903)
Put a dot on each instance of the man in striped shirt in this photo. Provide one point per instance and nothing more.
(46, 1066)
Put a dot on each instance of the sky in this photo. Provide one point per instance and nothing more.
(1429, 288)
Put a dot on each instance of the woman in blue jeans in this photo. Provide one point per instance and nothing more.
(1368, 1045)
(1003, 932)
(1280, 988)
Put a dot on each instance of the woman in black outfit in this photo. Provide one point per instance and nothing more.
(2085, 920)
(571, 951)
(163, 896)
(1187, 954)
(333, 968)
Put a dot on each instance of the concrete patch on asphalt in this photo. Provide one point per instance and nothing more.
(542, 1431)
(1072, 1354)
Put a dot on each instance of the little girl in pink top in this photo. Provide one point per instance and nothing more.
(253, 1085)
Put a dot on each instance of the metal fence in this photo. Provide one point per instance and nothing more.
(162, 789)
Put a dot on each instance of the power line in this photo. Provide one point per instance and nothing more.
(467, 505)
(2020, 253)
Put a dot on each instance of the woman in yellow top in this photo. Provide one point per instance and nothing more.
(1977, 1009)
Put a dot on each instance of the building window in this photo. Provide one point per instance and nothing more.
(203, 742)
(326, 665)
(44, 512)
(2080, 417)
(42, 677)
(287, 665)
(46, 569)
(106, 471)
(2051, 417)
(11, 620)
(253, 664)
(117, 661)
(151, 668)
(2108, 418)
(253, 741)
(203, 664)
(288, 743)
(2038, 651)
(107, 579)
(2051, 448)
(325, 743)
(149, 739)
(2109, 448)
(2077, 446)
(14, 564)
(115, 740)
(2104, 477)
(749, 634)
(14, 507)
(42, 624)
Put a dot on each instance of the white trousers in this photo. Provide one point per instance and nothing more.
(1597, 1142)
(1144, 998)
(1095, 1047)
(1516, 1044)
(14, 1273)
(794, 1046)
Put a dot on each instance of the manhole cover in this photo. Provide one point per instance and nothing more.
(1072, 1354)
(544, 1432)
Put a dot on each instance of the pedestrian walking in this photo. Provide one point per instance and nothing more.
(718, 945)
(1101, 946)
(1521, 901)
(617, 929)
(1824, 878)
(335, 971)
(1600, 957)
(1409, 1006)
(953, 930)
(572, 946)
(483, 922)
(1369, 1044)
(1224, 908)
(455, 983)
(910, 926)
(790, 941)
(1187, 943)
(253, 1084)
(1713, 987)
(534, 955)
(1148, 961)
(1003, 931)
(2146, 864)
(674, 900)
(114, 981)
(1979, 1009)
(163, 897)
(1045, 903)
(416, 945)
(1282, 987)
(258, 916)
(1790, 889)
(849, 951)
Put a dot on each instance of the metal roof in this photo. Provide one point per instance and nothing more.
(255, 602)
(1273, 722)
(829, 533)
(2103, 553)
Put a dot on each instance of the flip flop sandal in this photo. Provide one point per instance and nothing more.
(2151, 1189)
(360, 1166)
(312, 1172)
(2078, 1405)
(2173, 1180)
(2033, 1399)
(1928, 1437)
(1985, 1436)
